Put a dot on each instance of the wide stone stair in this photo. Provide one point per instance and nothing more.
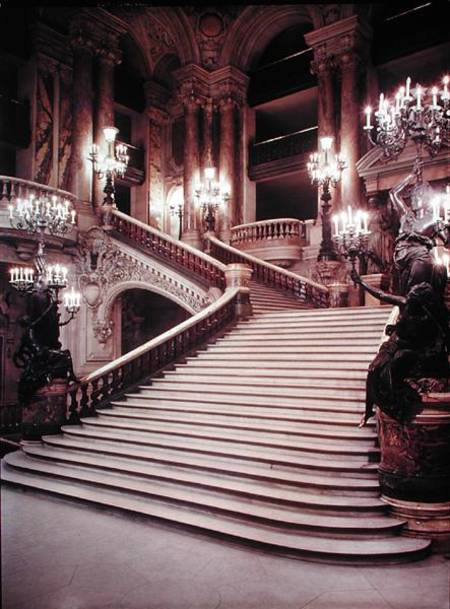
(255, 439)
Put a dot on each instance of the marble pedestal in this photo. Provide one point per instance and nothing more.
(414, 471)
(46, 412)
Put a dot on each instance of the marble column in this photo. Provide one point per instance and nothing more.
(191, 175)
(326, 111)
(350, 128)
(80, 173)
(227, 163)
(207, 152)
(104, 107)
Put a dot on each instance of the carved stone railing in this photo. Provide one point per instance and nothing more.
(15, 188)
(292, 144)
(181, 255)
(306, 290)
(278, 240)
(110, 381)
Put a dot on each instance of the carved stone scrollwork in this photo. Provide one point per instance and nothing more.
(103, 267)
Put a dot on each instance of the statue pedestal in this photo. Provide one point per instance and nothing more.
(46, 412)
(238, 275)
(414, 472)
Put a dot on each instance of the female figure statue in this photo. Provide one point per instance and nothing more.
(418, 230)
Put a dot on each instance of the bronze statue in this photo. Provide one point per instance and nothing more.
(418, 231)
(417, 348)
(39, 353)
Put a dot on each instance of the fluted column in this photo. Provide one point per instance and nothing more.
(107, 58)
(207, 152)
(80, 172)
(191, 173)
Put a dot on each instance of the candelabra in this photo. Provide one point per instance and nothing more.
(177, 210)
(325, 170)
(351, 235)
(422, 114)
(111, 165)
(210, 197)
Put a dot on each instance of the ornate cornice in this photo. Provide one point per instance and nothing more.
(339, 44)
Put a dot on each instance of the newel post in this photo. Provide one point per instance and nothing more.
(238, 276)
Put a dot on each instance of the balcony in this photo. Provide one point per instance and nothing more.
(281, 154)
(279, 241)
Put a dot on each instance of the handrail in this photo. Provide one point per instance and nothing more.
(160, 244)
(263, 222)
(5, 180)
(126, 371)
(304, 289)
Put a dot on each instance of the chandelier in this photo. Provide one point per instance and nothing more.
(210, 197)
(325, 170)
(421, 114)
(111, 165)
(38, 215)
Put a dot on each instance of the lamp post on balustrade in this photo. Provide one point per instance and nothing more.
(210, 197)
(46, 368)
(325, 170)
(108, 167)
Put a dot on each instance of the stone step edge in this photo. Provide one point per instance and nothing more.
(307, 419)
(354, 468)
(271, 497)
(222, 466)
(340, 551)
(122, 410)
(336, 450)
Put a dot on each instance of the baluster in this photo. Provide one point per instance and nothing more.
(84, 400)
(73, 406)
(5, 190)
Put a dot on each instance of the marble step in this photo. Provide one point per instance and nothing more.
(231, 467)
(257, 424)
(281, 497)
(291, 391)
(256, 396)
(282, 333)
(261, 378)
(276, 342)
(295, 348)
(349, 312)
(266, 414)
(16, 470)
(355, 467)
(336, 448)
(326, 358)
(291, 365)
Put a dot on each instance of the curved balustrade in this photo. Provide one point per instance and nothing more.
(16, 188)
(306, 290)
(277, 228)
(279, 240)
(106, 383)
(153, 241)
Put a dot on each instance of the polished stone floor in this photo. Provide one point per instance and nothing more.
(62, 555)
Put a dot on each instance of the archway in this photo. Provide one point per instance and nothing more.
(145, 315)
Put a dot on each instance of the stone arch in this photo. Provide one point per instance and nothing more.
(256, 27)
(176, 23)
(105, 309)
(163, 69)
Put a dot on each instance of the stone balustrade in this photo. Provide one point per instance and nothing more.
(279, 241)
(292, 144)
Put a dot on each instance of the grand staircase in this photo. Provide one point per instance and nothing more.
(254, 439)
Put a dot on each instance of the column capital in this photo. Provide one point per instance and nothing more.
(108, 54)
(343, 37)
(97, 31)
(229, 86)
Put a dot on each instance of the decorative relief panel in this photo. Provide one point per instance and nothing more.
(106, 268)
